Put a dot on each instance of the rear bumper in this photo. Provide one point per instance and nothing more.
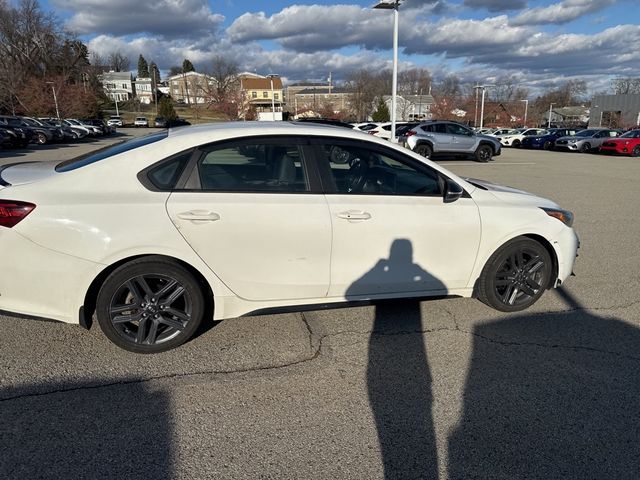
(39, 282)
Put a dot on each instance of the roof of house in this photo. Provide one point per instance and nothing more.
(117, 75)
(322, 91)
(187, 74)
(571, 111)
(261, 83)
(425, 99)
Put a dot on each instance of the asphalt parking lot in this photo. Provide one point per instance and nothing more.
(440, 389)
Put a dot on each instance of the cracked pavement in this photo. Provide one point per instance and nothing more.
(441, 389)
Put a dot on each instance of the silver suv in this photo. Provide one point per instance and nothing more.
(438, 137)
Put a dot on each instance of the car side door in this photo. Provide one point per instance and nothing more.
(463, 139)
(253, 210)
(393, 234)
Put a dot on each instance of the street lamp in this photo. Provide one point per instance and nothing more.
(549, 122)
(484, 88)
(273, 102)
(392, 5)
(526, 107)
(55, 98)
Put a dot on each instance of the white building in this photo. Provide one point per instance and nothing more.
(117, 85)
(191, 87)
(411, 107)
(144, 90)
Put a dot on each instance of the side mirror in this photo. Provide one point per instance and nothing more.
(452, 191)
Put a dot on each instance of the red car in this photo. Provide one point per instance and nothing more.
(627, 144)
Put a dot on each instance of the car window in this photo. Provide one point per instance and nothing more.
(254, 167)
(454, 129)
(360, 170)
(166, 175)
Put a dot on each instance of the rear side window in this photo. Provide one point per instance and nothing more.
(110, 151)
(166, 175)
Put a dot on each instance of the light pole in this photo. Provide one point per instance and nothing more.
(273, 101)
(154, 85)
(526, 108)
(55, 98)
(549, 122)
(484, 88)
(393, 5)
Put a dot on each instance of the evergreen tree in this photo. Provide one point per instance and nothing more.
(165, 109)
(143, 67)
(382, 112)
(187, 66)
(154, 73)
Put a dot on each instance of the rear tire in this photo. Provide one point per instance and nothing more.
(515, 276)
(424, 149)
(483, 153)
(547, 145)
(150, 305)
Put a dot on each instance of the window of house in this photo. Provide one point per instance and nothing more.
(265, 94)
(361, 170)
(254, 167)
(254, 94)
(275, 96)
(124, 86)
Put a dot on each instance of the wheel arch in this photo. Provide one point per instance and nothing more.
(487, 143)
(89, 305)
(424, 142)
(533, 236)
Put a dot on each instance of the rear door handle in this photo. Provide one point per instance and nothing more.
(354, 215)
(199, 215)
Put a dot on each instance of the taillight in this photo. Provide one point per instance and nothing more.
(409, 133)
(372, 132)
(12, 212)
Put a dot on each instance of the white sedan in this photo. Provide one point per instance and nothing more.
(514, 138)
(160, 233)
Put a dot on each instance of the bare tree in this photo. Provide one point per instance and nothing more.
(414, 81)
(118, 62)
(626, 85)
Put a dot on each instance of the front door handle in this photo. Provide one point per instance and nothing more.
(199, 215)
(354, 215)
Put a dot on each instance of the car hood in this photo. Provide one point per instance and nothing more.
(487, 137)
(512, 195)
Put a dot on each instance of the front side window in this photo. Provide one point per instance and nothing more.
(454, 129)
(360, 170)
(254, 167)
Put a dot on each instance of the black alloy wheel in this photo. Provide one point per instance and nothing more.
(424, 149)
(484, 153)
(150, 305)
(515, 276)
(585, 148)
(636, 151)
(516, 143)
(41, 138)
(547, 145)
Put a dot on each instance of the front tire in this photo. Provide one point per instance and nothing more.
(484, 153)
(425, 150)
(150, 305)
(636, 151)
(516, 144)
(515, 276)
(547, 145)
(41, 138)
(585, 148)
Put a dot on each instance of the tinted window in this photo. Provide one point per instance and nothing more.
(110, 151)
(166, 176)
(454, 129)
(359, 170)
(257, 167)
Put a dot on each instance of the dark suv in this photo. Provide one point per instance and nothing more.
(445, 137)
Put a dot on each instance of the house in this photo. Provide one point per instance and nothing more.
(144, 90)
(191, 88)
(615, 111)
(262, 93)
(411, 107)
(118, 86)
(320, 98)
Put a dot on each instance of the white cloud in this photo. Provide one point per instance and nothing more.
(559, 13)
(169, 18)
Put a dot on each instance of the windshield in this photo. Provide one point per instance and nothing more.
(110, 151)
(586, 133)
(631, 134)
(32, 122)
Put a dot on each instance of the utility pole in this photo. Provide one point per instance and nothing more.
(155, 90)
(55, 98)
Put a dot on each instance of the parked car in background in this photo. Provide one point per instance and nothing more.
(504, 131)
(68, 132)
(384, 129)
(513, 139)
(15, 136)
(56, 132)
(115, 121)
(100, 124)
(364, 126)
(586, 140)
(34, 133)
(626, 144)
(309, 215)
(141, 122)
(325, 121)
(547, 140)
(162, 122)
(436, 137)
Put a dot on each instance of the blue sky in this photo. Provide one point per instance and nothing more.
(535, 43)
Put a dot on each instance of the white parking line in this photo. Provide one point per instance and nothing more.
(453, 162)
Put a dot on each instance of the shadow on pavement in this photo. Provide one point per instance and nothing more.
(398, 376)
(119, 431)
(551, 396)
